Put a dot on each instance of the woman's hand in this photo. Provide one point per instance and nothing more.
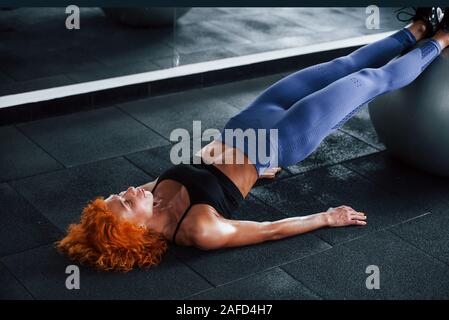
(270, 173)
(345, 216)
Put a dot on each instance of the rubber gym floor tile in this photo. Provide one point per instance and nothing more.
(90, 136)
(39, 83)
(382, 209)
(232, 12)
(317, 190)
(204, 35)
(254, 210)
(43, 272)
(21, 157)
(225, 265)
(361, 127)
(199, 13)
(108, 72)
(61, 195)
(335, 148)
(178, 111)
(120, 50)
(425, 191)
(11, 289)
(429, 233)
(258, 29)
(274, 44)
(274, 284)
(4, 79)
(323, 20)
(21, 226)
(296, 196)
(50, 64)
(15, 68)
(154, 161)
(404, 271)
(195, 57)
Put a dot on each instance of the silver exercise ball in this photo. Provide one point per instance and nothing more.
(413, 122)
(146, 17)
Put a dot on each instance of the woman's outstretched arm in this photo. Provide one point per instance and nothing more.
(218, 233)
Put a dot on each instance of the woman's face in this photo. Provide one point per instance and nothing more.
(134, 205)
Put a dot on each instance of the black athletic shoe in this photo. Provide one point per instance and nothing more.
(429, 15)
(444, 24)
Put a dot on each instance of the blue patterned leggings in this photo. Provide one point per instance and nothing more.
(309, 104)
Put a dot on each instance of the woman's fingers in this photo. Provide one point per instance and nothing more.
(358, 214)
(267, 176)
(274, 170)
(270, 173)
(358, 217)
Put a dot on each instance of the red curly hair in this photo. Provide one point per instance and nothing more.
(106, 242)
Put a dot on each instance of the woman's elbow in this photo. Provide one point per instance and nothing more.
(206, 241)
(271, 231)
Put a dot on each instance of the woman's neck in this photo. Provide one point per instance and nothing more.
(166, 214)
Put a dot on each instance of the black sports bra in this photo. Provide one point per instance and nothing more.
(205, 184)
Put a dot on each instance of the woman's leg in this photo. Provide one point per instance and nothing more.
(310, 120)
(306, 81)
(269, 107)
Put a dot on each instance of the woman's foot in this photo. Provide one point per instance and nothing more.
(419, 28)
(442, 34)
(425, 20)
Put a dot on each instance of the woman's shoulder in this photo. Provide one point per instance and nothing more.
(199, 219)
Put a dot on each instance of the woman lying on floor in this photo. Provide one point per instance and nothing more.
(192, 204)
